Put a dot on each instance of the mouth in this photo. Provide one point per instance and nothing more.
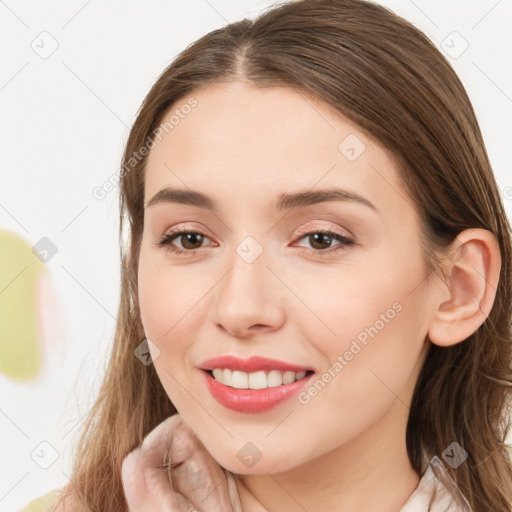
(255, 392)
(238, 379)
(252, 364)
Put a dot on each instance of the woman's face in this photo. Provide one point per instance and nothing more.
(353, 305)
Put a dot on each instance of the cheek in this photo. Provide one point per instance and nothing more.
(156, 307)
(342, 304)
(371, 333)
(166, 299)
(166, 323)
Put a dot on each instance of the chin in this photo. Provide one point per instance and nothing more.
(248, 460)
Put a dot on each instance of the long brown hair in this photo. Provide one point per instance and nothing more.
(382, 73)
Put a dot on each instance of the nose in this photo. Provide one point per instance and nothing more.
(249, 299)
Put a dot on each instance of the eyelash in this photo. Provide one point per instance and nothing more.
(345, 242)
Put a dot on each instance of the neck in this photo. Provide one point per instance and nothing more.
(371, 472)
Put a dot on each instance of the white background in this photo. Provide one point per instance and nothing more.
(64, 122)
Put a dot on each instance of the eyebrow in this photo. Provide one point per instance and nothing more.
(284, 202)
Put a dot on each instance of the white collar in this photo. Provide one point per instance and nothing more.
(436, 492)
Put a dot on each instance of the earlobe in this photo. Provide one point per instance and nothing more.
(465, 298)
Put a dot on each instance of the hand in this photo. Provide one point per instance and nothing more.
(200, 484)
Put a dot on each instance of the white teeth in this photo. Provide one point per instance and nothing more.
(288, 377)
(227, 375)
(256, 380)
(240, 380)
(274, 378)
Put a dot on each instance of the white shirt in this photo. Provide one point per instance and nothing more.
(436, 492)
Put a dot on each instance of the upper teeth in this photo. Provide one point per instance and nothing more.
(256, 380)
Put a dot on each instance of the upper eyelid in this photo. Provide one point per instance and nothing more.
(301, 233)
(339, 231)
(300, 230)
(344, 241)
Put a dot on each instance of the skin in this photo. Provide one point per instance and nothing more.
(243, 146)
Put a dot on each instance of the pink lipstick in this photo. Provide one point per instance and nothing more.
(253, 400)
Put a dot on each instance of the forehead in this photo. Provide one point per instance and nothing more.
(263, 141)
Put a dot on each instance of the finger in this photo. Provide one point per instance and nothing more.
(234, 497)
(147, 493)
(154, 487)
(200, 478)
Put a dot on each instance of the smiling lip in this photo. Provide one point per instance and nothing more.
(253, 364)
(252, 400)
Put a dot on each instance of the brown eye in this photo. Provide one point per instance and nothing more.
(319, 239)
(190, 241)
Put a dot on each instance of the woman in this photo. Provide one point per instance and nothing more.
(317, 280)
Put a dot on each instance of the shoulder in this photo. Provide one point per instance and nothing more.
(43, 503)
(53, 501)
(64, 503)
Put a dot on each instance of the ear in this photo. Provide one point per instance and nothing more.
(465, 298)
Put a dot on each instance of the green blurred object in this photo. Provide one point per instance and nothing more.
(43, 503)
(20, 347)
